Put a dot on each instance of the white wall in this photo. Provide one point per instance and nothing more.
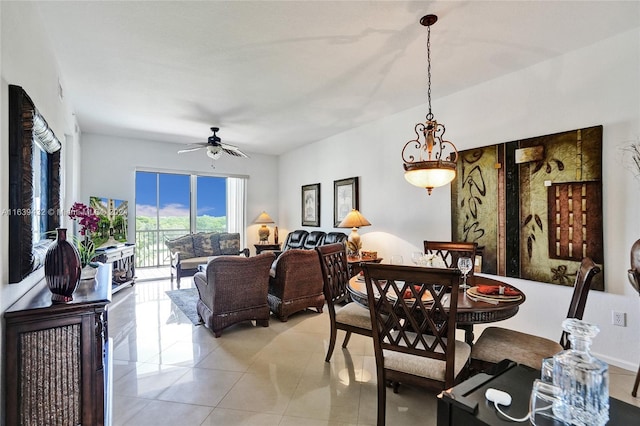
(596, 85)
(28, 61)
(109, 165)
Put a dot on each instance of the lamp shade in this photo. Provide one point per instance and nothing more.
(354, 220)
(264, 218)
(430, 174)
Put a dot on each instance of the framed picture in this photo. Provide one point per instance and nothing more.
(311, 205)
(345, 198)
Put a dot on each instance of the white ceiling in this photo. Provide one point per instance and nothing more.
(274, 75)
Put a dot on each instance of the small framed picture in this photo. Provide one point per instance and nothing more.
(345, 198)
(311, 205)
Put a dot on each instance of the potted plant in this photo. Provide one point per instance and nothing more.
(88, 222)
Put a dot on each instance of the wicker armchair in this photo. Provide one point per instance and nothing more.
(234, 289)
(295, 283)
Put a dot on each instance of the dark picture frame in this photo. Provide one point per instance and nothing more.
(311, 205)
(31, 138)
(345, 198)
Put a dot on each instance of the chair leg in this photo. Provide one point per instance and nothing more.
(346, 339)
(264, 323)
(332, 344)
(634, 392)
(382, 401)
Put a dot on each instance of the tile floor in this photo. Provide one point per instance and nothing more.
(170, 372)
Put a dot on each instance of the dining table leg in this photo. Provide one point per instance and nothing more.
(468, 333)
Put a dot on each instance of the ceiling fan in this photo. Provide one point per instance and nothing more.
(215, 148)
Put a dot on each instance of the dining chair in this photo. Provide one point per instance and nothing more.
(351, 317)
(497, 343)
(451, 251)
(413, 319)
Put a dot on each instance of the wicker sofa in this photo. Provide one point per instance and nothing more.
(191, 250)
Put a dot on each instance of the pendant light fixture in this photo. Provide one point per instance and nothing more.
(424, 162)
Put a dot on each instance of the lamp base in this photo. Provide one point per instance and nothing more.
(263, 234)
(353, 243)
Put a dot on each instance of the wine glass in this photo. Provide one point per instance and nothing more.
(465, 265)
(416, 256)
(396, 260)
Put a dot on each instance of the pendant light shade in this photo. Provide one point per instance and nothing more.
(424, 158)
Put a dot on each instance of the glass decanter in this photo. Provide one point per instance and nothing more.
(583, 379)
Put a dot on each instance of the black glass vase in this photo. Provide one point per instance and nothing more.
(62, 268)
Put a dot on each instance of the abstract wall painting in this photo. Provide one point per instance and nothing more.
(534, 206)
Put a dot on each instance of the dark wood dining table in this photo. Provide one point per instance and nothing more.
(471, 311)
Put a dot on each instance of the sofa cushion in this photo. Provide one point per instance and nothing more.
(206, 244)
(183, 244)
(314, 239)
(295, 239)
(230, 243)
(194, 262)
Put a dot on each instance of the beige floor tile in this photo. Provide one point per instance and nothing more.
(223, 416)
(264, 393)
(170, 372)
(148, 380)
(201, 386)
(301, 421)
(169, 413)
(184, 353)
(125, 407)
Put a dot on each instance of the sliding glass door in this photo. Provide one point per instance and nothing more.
(169, 205)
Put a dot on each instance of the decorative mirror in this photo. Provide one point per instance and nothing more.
(34, 185)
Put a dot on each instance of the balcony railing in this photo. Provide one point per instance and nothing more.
(151, 250)
(150, 247)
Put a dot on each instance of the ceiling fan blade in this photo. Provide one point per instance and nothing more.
(233, 150)
(193, 148)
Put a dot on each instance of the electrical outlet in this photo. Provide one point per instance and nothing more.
(619, 318)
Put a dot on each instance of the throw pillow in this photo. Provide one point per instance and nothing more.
(183, 244)
(206, 244)
(230, 243)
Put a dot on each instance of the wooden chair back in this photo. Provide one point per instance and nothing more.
(413, 312)
(335, 273)
(588, 269)
(451, 251)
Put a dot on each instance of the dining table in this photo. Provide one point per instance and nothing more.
(471, 310)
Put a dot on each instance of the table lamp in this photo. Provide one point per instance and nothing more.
(354, 220)
(263, 232)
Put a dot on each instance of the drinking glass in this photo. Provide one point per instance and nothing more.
(396, 260)
(416, 256)
(465, 265)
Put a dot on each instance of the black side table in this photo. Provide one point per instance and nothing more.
(264, 247)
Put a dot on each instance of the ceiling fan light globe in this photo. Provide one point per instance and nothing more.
(214, 152)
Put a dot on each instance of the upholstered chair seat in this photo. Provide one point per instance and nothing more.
(496, 343)
(501, 343)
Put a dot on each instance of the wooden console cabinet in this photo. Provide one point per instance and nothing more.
(55, 356)
(123, 260)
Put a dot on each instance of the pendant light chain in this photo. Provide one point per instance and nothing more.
(430, 114)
